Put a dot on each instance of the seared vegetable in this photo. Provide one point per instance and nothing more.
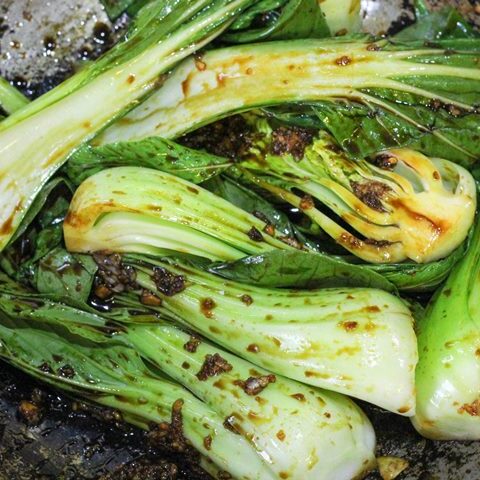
(448, 373)
(355, 341)
(413, 208)
(371, 95)
(147, 211)
(35, 141)
(244, 420)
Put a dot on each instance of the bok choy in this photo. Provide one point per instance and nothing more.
(355, 341)
(36, 140)
(448, 373)
(243, 420)
(370, 95)
(402, 206)
(147, 211)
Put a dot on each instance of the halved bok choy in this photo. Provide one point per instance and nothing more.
(241, 419)
(37, 139)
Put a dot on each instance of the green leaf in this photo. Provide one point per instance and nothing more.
(63, 274)
(436, 25)
(154, 152)
(298, 269)
(279, 20)
(365, 130)
(414, 277)
(38, 204)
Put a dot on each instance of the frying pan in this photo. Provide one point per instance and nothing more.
(41, 42)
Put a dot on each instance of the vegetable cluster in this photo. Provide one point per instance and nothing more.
(232, 221)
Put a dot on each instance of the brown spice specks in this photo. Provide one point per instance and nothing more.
(247, 299)
(192, 345)
(253, 348)
(206, 307)
(472, 409)
(170, 435)
(255, 385)
(207, 442)
(349, 326)
(212, 366)
(307, 203)
(167, 282)
(343, 61)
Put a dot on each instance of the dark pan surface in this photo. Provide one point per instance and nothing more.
(40, 44)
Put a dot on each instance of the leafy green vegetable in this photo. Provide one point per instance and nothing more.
(356, 341)
(296, 269)
(408, 207)
(436, 25)
(37, 139)
(132, 209)
(75, 351)
(66, 274)
(164, 155)
(447, 375)
(281, 19)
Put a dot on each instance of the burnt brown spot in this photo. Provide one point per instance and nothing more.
(255, 235)
(281, 435)
(167, 282)
(349, 241)
(170, 435)
(200, 65)
(447, 292)
(372, 309)
(292, 242)
(343, 61)
(269, 229)
(150, 299)
(284, 475)
(231, 424)
(7, 226)
(403, 410)
(291, 140)
(472, 409)
(255, 385)
(299, 396)
(253, 348)
(436, 175)
(206, 307)
(66, 371)
(185, 365)
(371, 193)
(212, 366)
(207, 442)
(327, 415)
(373, 47)
(385, 161)
(349, 326)
(307, 203)
(131, 78)
(193, 190)
(192, 345)
(247, 299)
